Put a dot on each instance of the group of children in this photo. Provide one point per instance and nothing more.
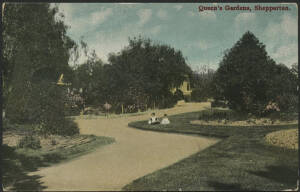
(154, 120)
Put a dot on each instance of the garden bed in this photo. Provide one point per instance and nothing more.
(243, 160)
(248, 122)
(285, 138)
(19, 161)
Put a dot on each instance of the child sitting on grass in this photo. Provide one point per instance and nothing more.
(165, 120)
(153, 120)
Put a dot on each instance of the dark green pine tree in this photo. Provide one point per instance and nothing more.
(244, 76)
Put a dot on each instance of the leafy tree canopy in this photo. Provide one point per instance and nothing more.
(147, 68)
(248, 78)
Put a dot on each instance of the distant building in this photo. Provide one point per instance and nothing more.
(185, 87)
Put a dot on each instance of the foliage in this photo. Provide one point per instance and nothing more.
(219, 103)
(143, 74)
(202, 84)
(26, 46)
(29, 141)
(249, 79)
(221, 114)
(283, 88)
(178, 95)
(36, 51)
(48, 110)
(88, 77)
(199, 95)
(7, 125)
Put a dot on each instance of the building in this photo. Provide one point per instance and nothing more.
(185, 88)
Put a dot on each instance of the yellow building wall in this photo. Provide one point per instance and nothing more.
(185, 88)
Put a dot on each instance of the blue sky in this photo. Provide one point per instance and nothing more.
(201, 36)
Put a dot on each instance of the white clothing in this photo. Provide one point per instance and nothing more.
(152, 120)
(165, 121)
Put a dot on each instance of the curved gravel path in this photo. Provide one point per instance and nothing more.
(134, 154)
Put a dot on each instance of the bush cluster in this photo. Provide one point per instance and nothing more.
(29, 141)
(218, 103)
(249, 79)
(220, 114)
(46, 109)
(199, 95)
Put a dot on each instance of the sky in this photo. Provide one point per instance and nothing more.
(202, 37)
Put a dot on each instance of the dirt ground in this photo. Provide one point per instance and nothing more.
(134, 154)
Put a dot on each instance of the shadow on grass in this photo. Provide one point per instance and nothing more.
(17, 163)
(281, 174)
(15, 172)
(16, 167)
(218, 186)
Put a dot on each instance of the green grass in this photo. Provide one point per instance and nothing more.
(17, 162)
(242, 160)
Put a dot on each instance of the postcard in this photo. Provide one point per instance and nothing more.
(150, 96)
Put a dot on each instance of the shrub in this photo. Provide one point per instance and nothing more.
(7, 125)
(211, 115)
(288, 102)
(48, 110)
(29, 141)
(68, 128)
(178, 95)
(282, 116)
(17, 103)
(187, 98)
(249, 79)
(198, 95)
(219, 103)
(170, 100)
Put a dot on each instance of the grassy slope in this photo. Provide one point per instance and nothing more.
(18, 162)
(241, 161)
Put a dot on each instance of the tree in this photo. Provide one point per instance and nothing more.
(246, 76)
(202, 84)
(283, 88)
(89, 79)
(36, 51)
(151, 69)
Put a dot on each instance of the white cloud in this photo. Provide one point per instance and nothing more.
(244, 22)
(204, 14)
(100, 16)
(286, 54)
(208, 15)
(127, 3)
(68, 10)
(244, 17)
(178, 7)
(281, 38)
(191, 13)
(289, 25)
(144, 16)
(155, 29)
(282, 31)
(202, 44)
(162, 14)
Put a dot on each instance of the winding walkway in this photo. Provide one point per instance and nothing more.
(134, 154)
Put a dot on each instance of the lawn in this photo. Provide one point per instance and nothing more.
(242, 160)
(18, 162)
